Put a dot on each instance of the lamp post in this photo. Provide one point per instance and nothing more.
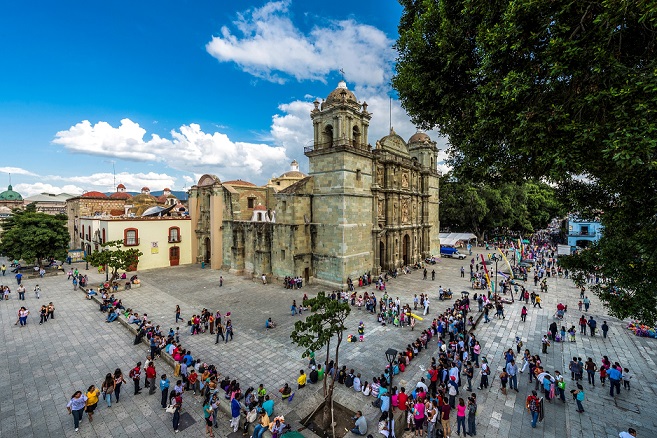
(391, 355)
(496, 258)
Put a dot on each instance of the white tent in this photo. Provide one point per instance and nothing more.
(452, 238)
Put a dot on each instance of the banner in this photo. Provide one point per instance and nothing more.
(483, 263)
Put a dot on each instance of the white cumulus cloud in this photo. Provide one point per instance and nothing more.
(189, 148)
(16, 171)
(267, 44)
(26, 189)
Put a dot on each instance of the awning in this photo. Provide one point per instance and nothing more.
(453, 238)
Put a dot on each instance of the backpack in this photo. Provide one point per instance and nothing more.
(131, 374)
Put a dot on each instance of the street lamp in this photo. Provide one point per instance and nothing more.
(496, 258)
(391, 355)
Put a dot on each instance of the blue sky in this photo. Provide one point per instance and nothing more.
(166, 91)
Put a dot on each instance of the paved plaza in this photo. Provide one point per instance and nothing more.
(46, 364)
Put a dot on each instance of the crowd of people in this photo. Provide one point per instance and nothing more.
(454, 355)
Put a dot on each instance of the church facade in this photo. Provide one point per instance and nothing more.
(361, 208)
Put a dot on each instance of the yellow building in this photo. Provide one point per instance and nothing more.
(164, 241)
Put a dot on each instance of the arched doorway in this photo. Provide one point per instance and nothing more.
(406, 250)
(382, 256)
(208, 250)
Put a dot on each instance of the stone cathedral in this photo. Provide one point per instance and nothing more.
(361, 208)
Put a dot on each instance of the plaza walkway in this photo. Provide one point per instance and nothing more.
(46, 364)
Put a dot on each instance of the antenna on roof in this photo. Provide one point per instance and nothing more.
(113, 171)
(390, 97)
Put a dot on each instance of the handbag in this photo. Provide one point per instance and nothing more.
(171, 409)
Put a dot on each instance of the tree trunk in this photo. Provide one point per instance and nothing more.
(328, 401)
(328, 344)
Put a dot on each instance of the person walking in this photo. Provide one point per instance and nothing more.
(512, 371)
(21, 292)
(472, 412)
(92, 401)
(177, 402)
(178, 317)
(532, 407)
(235, 411)
(523, 314)
(150, 377)
(135, 375)
(561, 385)
(605, 329)
(444, 419)
(23, 313)
(220, 331)
(108, 388)
(485, 371)
(164, 388)
(614, 376)
(76, 407)
(545, 344)
(591, 369)
(461, 409)
(579, 398)
(229, 330)
(118, 381)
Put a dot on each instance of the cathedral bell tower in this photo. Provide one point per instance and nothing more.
(340, 161)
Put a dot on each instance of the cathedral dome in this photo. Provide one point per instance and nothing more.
(94, 194)
(10, 195)
(239, 182)
(120, 195)
(335, 96)
(419, 137)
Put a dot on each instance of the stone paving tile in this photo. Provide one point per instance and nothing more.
(46, 364)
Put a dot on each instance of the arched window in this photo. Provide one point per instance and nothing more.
(328, 135)
(131, 237)
(356, 135)
(174, 235)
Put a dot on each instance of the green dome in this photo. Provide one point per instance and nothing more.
(10, 195)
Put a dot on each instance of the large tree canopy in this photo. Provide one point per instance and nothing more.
(482, 208)
(561, 91)
(34, 236)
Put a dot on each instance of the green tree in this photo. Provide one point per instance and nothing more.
(325, 322)
(483, 208)
(558, 91)
(114, 257)
(34, 236)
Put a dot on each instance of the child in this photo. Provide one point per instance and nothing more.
(518, 344)
(571, 334)
(361, 331)
(603, 375)
(563, 333)
(579, 305)
(37, 291)
(504, 378)
(627, 376)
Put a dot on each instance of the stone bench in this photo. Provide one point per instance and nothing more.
(132, 328)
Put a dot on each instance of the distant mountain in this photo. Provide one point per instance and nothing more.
(181, 195)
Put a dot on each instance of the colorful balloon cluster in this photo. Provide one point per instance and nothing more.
(642, 330)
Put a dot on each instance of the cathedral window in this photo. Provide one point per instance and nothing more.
(251, 202)
(357, 174)
(282, 254)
